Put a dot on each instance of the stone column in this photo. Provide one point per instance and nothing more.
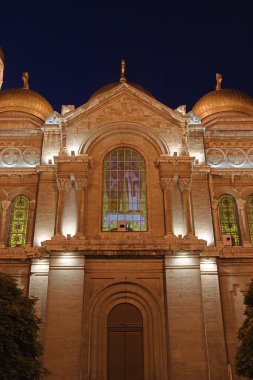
(243, 222)
(30, 224)
(167, 202)
(185, 188)
(4, 229)
(63, 186)
(216, 223)
(81, 185)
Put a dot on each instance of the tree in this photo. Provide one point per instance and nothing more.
(19, 327)
(244, 357)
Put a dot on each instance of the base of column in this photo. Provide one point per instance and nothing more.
(170, 236)
(247, 244)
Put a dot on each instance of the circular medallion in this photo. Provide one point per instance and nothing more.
(31, 156)
(11, 156)
(250, 155)
(236, 156)
(214, 156)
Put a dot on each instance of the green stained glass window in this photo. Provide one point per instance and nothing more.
(228, 218)
(124, 191)
(249, 208)
(18, 221)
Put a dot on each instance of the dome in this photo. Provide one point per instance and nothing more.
(115, 84)
(223, 100)
(25, 100)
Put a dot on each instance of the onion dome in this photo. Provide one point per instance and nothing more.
(1, 54)
(25, 100)
(223, 100)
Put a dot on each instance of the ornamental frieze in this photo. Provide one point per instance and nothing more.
(16, 157)
(230, 157)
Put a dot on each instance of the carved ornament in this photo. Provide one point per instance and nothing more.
(184, 184)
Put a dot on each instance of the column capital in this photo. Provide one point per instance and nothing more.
(165, 183)
(5, 204)
(184, 184)
(241, 204)
(63, 184)
(81, 183)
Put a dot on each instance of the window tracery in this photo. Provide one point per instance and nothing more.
(229, 219)
(249, 209)
(124, 191)
(19, 213)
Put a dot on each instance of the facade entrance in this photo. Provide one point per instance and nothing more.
(125, 343)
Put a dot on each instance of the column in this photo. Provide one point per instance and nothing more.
(81, 185)
(5, 209)
(167, 201)
(216, 223)
(30, 224)
(63, 186)
(243, 222)
(185, 188)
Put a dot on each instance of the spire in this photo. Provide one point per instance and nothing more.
(1, 67)
(25, 78)
(218, 81)
(122, 77)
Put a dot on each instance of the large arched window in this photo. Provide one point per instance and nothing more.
(249, 208)
(229, 219)
(18, 221)
(124, 191)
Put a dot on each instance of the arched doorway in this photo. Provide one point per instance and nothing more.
(125, 343)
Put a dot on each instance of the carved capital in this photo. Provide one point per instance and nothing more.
(165, 183)
(32, 205)
(241, 204)
(5, 205)
(81, 183)
(184, 184)
(63, 184)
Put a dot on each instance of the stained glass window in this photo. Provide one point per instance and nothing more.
(249, 208)
(228, 218)
(18, 221)
(124, 191)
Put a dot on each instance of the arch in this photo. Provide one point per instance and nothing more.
(228, 217)
(19, 214)
(226, 190)
(124, 191)
(249, 211)
(95, 343)
(125, 128)
(3, 195)
(21, 191)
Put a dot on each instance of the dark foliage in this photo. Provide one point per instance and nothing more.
(244, 358)
(19, 327)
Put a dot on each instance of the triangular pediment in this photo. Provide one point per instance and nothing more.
(124, 102)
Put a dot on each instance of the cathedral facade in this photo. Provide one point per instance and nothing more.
(132, 223)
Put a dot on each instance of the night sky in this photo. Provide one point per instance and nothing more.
(173, 49)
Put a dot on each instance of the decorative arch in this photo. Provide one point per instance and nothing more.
(249, 210)
(228, 217)
(19, 214)
(125, 129)
(124, 191)
(95, 347)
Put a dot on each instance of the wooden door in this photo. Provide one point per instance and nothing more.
(125, 343)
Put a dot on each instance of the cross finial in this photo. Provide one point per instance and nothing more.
(25, 78)
(218, 81)
(122, 76)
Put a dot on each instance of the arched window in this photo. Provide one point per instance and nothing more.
(124, 191)
(18, 221)
(228, 218)
(249, 208)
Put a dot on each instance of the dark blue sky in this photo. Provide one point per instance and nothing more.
(173, 49)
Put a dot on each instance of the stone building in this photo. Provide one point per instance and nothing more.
(133, 225)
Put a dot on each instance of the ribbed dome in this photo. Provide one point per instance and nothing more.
(115, 84)
(25, 100)
(223, 100)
